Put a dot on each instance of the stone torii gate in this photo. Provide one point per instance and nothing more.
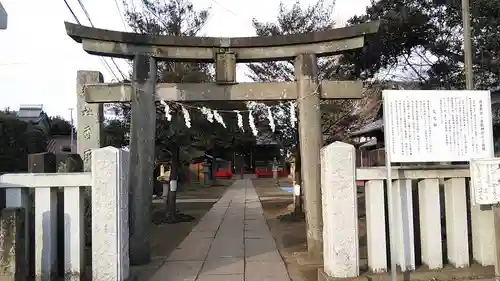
(145, 50)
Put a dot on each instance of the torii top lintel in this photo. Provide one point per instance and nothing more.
(203, 49)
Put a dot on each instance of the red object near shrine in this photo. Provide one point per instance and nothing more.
(224, 174)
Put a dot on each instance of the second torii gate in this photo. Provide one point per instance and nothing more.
(145, 50)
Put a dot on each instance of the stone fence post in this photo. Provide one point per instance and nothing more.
(110, 228)
(340, 210)
(71, 221)
(14, 244)
(42, 234)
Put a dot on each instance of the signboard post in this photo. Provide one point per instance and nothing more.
(433, 126)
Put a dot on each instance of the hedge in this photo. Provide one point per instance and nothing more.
(17, 140)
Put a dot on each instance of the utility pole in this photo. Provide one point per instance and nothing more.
(470, 86)
(72, 142)
(469, 75)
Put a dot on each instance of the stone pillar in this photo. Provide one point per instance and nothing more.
(213, 171)
(42, 200)
(20, 198)
(207, 172)
(89, 117)
(45, 214)
(306, 74)
(483, 235)
(457, 231)
(142, 155)
(403, 224)
(110, 232)
(14, 244)
(73, 230)
(340, 206)
(375, 218)
(430, 223)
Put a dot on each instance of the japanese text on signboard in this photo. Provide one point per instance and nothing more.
(438, 126)
(485, 179)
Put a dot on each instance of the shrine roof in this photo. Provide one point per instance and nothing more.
(377, 125)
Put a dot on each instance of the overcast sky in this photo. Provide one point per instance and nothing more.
(38, 61)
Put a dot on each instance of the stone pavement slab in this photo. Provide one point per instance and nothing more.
(232, 242)
(233, 277)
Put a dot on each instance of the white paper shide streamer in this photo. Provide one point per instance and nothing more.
(208, 113)
(167, 110)
(219, 119)
(251, 122)
(293, 116)
(240, 120)
(187, 118)
(271, 119)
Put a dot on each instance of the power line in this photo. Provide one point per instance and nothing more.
(227, 9)
(73, 13)
(106, 64)
(92, 24)
(121, 15)
(231, 11)
(85, 12)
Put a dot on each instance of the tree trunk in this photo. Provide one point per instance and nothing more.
(172, 191)
(172, 213)
(297, 198)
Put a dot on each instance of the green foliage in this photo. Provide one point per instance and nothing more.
(179, 18)
(115, 133)
(337, 116)
(60, 126)
(422, 41)
(315, 17)
(35, 140)
(17, 140)
(419, 41)
(13, 153)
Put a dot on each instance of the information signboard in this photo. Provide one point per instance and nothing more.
(485, 179)
(437, 126)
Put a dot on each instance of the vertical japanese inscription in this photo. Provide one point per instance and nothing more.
(485, 177)
(90, 116)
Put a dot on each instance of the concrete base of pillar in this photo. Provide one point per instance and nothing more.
(473, 272)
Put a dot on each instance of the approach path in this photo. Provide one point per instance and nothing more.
(232, 242)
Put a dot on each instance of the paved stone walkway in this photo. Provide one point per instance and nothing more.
(232, 242)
